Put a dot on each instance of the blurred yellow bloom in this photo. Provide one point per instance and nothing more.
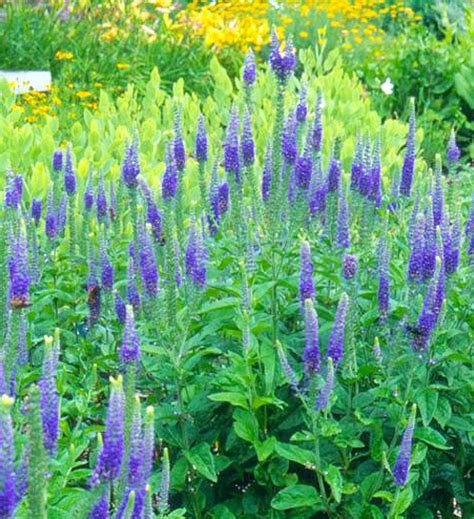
(63, 55)
(98, 85)
(122, 66)
(304, 34)
(82, 94)
(31, 119)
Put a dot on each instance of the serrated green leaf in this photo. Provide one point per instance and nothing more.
(297, 496)
(201, 459)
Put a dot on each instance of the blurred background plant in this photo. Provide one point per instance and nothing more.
(398, 49)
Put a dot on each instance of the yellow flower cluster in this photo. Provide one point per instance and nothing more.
(237, 23)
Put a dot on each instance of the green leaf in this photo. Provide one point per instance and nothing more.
(201, 459)
(245, 425)
(384, 494)
(265, 449)
(370, 485)
(402, 502)
(297, 496)
(427, 402)
(460, 424)
(234, 398)
(334, 479)
(431, 437)
(443, 411)
(297, 454)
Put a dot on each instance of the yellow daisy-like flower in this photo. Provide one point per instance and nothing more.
(63, 55)
(122, 66)
(82, 94)
(304, 34)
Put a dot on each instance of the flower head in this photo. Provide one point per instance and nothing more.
(438, 194)
(350, 265)
(454, 153)
(50, 223)
(402, 463)
(231, 146)
(408, 168)
(19, 279)
(249, 70)
(267, 172)
(88, 197)
(8, 499)
(57, 161)
(13, 190)
(131, 164)
(36, 209)
(179, 153)
(342, 234)
(336, 340)
(289, 146)
(201, 140)
(148, 267)
(247, 144)
(284, 63)
(387, 87)
(302, 107)
(306, 285)
(317, 131)
(69, 174)
(169, 182)
(49, 400)
(311, 356)
(322, 400)
(195, 258)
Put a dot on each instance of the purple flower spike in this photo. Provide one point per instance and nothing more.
(50, 224)
(350, 265)
(415, 264)
(402, 463)
(312, 355)
(120, 307)
(451, 236)
(132, 292)
(289, 146)
(357, 165)
(8, 499)
(284, 63)
(318, 124)
(109, 461)
(454, 153)
(267, 173)
(336, 341)
(130, 350)
(148, 444)
(69, 174)
(131, 164)
(101, 508)
(306, 285)
(317, 199)
(61, 214)
(287, 369)
(148, 267)
(93, 290)
(302, 107)
(429, 252)
(106, 270)
(36, 209)
(113, 202)
(101, 201)
(231, 146)
(179, 153)
(342, 235)
(201, 140)
(322, 401)
(49, 400)
(57, 161)
(376, 176)
(438, 195)
(303, 172)
(19, 279)
(195, 258)
(334, 174)
(408, 168)
(169, 182)
(88, 197)
(13, 190)
(247, 143)
(135, 460)
(249, 71)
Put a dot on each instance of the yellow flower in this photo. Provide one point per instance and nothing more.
(63, 55)
(31, 119)
(357, 39)
(82, 94)
(122, 66)
(347, 46)
(98, 85)
(304, 34)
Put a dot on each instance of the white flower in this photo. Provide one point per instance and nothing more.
(387, 87)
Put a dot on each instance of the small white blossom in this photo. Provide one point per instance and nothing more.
(387, 87)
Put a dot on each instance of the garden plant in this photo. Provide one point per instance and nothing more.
(255, 303)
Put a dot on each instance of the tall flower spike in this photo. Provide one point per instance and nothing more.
(201, 140)
(334, 174)
(408, 168)
(148, 443)
(267, 172)
(303, 171)
(163, 502)
(22, 349)
(109, 461)
(106, 269)
(429, 251)
(247, 144)
(335, 349)
(179, 153)
(19, 279)
(454, 153)
(376, 175)
(438, 195)
(402, 463)
(312, 355)
(356, 166)
(61, 214)
(195, 258)
(231, 146)
(88, 197)
(132, 292)
(318, 123)
(113, 202)
(322, 400)
(120, 307)
(284, 63)
(131, 164)
(50, 224)
(289, 146)
(135, 460)
(383, 291)
(69, 174)
(249, 70)
(306, 285)
(49, 400)
(169, 182)
(101, 509)
(101, 201)
(302, 107)
(13, 190)
(130, 350)
(415, 264)
(287, 369)
(350, 265)
(148, 267)
(57, 161)
(36, 209)
(342, 234)
(7, 471)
